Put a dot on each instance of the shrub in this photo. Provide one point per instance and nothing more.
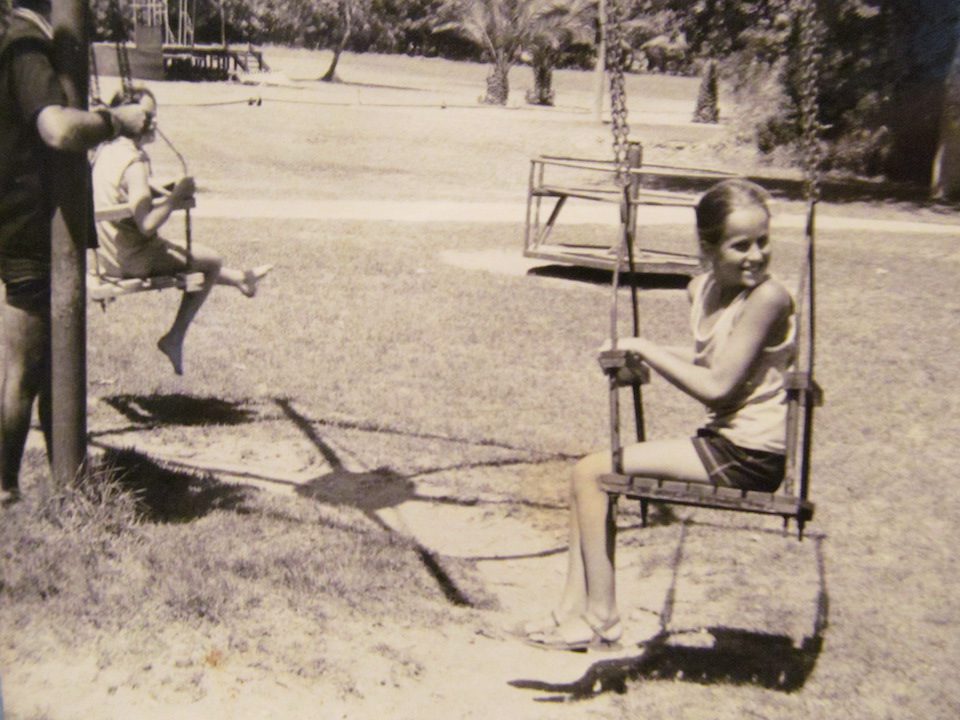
(707, 110)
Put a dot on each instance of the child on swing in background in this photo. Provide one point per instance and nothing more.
(743, 326)
(131, 247)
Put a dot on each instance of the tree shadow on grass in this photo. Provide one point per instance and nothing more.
(731, 656)
(180, 409)
(832, 190)
(165, 495)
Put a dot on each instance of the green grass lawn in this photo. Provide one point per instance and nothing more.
(372, 339)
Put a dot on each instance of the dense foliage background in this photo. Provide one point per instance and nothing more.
(883, 63)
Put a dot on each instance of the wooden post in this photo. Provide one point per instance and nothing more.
(72, 224)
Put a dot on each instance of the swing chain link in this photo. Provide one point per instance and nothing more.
(615, 60)
(123, 59)
(810, 59)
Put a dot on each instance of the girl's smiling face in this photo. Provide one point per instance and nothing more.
(741, 259)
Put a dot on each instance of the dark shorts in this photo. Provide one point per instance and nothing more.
(27, 282)
(31, 295)
(730, 465)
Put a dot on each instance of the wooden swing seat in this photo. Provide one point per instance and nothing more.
(624, 368)
(706, 495)
(106, 288)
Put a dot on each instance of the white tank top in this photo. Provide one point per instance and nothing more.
(756, 418)
(121, 238)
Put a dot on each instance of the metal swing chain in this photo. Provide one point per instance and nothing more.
(810, 58)
(95, 97)
(123, 60)
(615, 61)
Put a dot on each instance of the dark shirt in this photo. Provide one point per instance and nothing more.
(28, 83)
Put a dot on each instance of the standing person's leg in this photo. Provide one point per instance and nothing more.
(26, 344)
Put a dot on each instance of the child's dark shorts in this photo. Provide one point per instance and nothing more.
(730, 465)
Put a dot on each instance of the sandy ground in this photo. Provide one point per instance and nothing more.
(460, 671)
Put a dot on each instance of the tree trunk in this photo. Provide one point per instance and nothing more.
(498, 83)
(346, 20)
(331, 74)
(945, 183)
(542, 82)
(707, 110)
(925, 44)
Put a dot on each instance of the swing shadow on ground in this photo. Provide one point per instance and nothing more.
(596, 276)
(180, 409)
(378, 490)
(169, 490)
(731, 656)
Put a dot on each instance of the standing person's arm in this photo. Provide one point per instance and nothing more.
(41, 99)
(67, 128)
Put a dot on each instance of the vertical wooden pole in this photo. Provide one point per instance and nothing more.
(71, 227)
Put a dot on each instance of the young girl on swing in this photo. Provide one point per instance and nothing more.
(131, 248)
(743, 327)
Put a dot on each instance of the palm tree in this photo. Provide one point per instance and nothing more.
(503, 29)
(567, 23)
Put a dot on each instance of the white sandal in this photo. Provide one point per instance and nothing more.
(581, 633)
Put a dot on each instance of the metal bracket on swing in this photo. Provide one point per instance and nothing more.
(626, 367)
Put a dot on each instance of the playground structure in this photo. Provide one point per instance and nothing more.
(166, 50)
(554, 181)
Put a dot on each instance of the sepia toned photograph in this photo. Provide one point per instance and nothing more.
(479, 359)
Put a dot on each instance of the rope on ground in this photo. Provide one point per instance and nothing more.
(259, 101)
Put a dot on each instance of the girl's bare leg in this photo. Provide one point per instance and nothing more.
(590, 586)
(243, 280)
(209, 263)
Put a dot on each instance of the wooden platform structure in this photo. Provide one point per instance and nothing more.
(210, 62)
(554, 181)
(181, 62)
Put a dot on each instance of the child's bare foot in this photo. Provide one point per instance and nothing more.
(174, 352)
(251, 277)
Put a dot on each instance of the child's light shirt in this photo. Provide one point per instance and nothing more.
(756, 417)
(122, 238)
